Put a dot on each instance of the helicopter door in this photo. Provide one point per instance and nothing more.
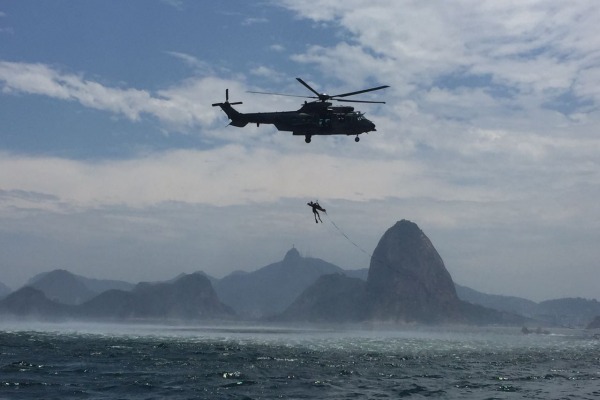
(325, 122)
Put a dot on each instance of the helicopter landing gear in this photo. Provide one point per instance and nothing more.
(307, 138)
(357, 139)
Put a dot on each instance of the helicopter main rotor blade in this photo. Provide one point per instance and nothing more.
(280, 94)
(309, 88)
(361, 91)
(360, 101)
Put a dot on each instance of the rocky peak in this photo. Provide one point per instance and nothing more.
(408, 280)
(292, 253)
(62, 286)
(292, 257)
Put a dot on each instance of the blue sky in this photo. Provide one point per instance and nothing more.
(113, 164)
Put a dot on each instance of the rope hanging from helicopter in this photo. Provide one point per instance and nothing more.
(316, 206)
(353, 243)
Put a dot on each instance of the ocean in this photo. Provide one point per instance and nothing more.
(104, 361)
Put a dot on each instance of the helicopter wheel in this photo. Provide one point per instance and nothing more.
(307, 138)
(356, 139)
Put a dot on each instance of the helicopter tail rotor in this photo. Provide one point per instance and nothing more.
(236, 117)
(227, 101)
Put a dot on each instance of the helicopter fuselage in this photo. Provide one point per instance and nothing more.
(313, 118)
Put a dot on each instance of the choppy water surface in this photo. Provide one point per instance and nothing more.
(150, 362)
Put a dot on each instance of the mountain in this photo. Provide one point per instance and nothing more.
(4, 290)
(595, 324)
(190, 297)
(511, 304)
(569, 312)
(62, 286)
(65, 287)
(271, 289)
(333, 298)
(362, 273)
(102, 285)
(32, 303)
(408, 280)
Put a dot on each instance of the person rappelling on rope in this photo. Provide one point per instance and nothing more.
(315, 206)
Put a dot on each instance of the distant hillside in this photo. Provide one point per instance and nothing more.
(271, 289)
(406, 281)
(595, 324)
(63, 287)
(68, 288)
(568, 312)
(191, 297)
(4, 290)
(32, 303)
(333, 298)
(511, 304)
(362, 273)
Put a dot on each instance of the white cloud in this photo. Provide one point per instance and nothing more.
(41, 79)
(277, 47)
(184, 106)
(230, 175)
(531, 46)
(177, 4)
(202, 67)
(254, 20)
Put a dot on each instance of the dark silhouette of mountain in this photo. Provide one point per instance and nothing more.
(333, 298)
(569, 312)
(595, 324)
(511, 304)
(475, 314)
(271, 289)
(65, 287)
(362, 273)
(4, 290)
(408, 280)
(102, 285)
(62, 286)
(110, 304)
(32, 303)
(212, 279)
(190, 297)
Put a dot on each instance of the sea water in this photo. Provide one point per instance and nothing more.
(101, 361)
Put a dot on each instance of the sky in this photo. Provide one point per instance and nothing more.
(114, 164)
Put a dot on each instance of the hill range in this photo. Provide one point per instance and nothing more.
(411, 285)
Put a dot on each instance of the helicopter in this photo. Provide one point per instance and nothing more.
(318, 117)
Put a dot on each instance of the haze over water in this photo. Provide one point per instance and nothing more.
(178, 362)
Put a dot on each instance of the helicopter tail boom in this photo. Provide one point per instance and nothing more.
(235, 116)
